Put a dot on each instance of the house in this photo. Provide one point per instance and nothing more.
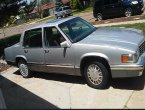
(48, 9)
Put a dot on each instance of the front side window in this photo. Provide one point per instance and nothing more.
(77, 29)
(53, 38)
(33, 38)
(113, 1)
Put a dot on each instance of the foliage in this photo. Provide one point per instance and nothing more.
(45, 1)
(9, 8)
(8, 41)
(29, 7)
(80, 4)
(58, 3)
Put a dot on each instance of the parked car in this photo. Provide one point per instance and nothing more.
(63, 12)
(75, 47)
(109, 8)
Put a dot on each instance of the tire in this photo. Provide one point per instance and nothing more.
(56, 16)
(24, 70)
(63, 15)
(96, 75)
(99, 17)
(128, 12)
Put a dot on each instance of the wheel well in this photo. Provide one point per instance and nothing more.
(98, 59)
(18, 59)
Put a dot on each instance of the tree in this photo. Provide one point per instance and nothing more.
(58, 3)
(76, 4)
(9, 8)
(29, 7)
(43, 2)
(39, 9)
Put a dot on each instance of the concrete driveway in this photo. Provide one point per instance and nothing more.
(61, 91)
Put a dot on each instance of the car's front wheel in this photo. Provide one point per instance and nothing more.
(97, 75)
(99, 17)
(128, 12)
(24, 70)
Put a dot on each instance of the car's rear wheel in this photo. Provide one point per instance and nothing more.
(97, 75)
(63, 15)
(24, 70)
(128, 12)
(99, 17)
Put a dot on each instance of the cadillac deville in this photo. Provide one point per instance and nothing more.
(75, 47)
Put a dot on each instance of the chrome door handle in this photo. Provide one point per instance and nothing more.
(26, 51)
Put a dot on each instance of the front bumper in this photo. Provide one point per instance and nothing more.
(138, 8)
(130, 70)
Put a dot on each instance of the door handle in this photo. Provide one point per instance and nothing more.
(26, 51)
(46, 51)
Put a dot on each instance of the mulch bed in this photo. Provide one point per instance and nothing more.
(4, 67)
(122, 19)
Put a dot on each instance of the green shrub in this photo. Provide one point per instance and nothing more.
(8, 41)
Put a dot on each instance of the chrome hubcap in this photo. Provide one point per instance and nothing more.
(95, 74)
(23, 70)
(99, 17)
(128, 13)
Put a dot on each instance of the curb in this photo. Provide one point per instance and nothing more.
(120, 23)
(2, 102)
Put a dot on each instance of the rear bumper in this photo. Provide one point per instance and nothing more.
(11, 63)
(130, 70)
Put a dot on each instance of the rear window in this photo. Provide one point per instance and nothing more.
(66, 8)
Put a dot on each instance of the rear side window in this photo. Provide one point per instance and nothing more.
(66, 8)
(33, 38)
(113, 1)
(106, 2)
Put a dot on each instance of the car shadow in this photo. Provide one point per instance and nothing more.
(17, 97)
(58, 77)
(136, 83)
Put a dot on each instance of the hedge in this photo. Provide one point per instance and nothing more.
(8, 41)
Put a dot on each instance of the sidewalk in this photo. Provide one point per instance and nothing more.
(62, 91)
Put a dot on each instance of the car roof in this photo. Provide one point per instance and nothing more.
(54, 22)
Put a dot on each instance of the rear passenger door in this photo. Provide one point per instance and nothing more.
(32, 49)
(111, 7)
(115, 7)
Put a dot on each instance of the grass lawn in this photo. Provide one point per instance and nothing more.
(89, 9)
(140, 26)
(75, 12)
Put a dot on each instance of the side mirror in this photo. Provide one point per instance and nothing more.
(65, 44)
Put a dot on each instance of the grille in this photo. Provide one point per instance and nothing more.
(142, 48)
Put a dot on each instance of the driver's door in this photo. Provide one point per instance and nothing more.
(57, 59)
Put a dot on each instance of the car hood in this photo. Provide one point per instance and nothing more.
(115, 36)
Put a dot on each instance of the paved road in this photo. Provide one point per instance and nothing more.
(61, 91)
(19, 29)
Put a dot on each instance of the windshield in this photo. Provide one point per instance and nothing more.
(77, 29)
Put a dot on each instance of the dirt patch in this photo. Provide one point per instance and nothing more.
(4, 67)
(122, 19)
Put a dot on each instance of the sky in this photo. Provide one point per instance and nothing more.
(29, 1)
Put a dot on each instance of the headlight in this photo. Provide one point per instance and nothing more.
(129, 58)
(134, 2)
